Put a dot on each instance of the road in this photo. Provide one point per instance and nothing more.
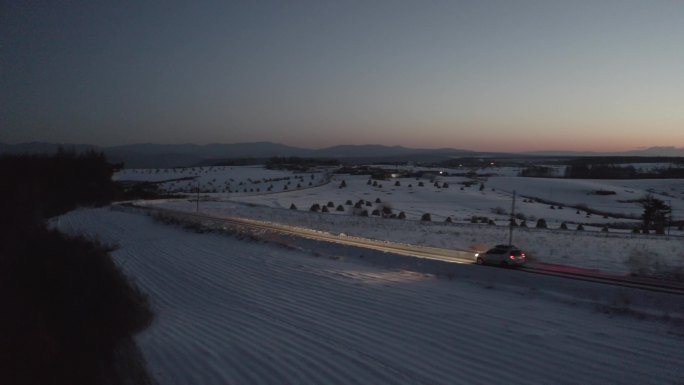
(425, 252)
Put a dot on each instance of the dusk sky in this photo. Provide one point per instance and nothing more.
(510, 75)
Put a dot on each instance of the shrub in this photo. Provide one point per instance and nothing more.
(330, 204)
(339, 208)
(324, 209)
(397, 183)
(448, 220)
(580, 227)
(376, 212)
(293, 207)
(78, 313)
(426, 217)
(315, 207)
(348, 202)
(541, 223)
(563, 226)
(401, 215)
(377, 200)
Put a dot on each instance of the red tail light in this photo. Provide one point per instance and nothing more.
(511, 256)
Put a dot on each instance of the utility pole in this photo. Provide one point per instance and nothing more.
(510, 222)
(197, 201)
(669, 219)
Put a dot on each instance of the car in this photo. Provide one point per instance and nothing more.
(505, 255)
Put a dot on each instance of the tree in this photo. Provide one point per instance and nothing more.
(656, 214)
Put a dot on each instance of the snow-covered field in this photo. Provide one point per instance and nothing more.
(616, 250)
(234, 310)
(237, 311)
(457, 197)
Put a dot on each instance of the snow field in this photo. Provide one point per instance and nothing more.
(235, 311)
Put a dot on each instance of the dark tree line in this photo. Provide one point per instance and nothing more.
(600, 171)
(584, 170)
(299, 164)
(68, 312)
(41, 186)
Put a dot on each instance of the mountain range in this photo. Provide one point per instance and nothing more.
(151, 155)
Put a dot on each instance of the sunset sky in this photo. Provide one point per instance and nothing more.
(601, 75)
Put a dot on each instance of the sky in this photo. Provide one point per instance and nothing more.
(482, 75)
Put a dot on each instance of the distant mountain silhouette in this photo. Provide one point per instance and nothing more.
(43, 148)
(651, 151)
(151, 155)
